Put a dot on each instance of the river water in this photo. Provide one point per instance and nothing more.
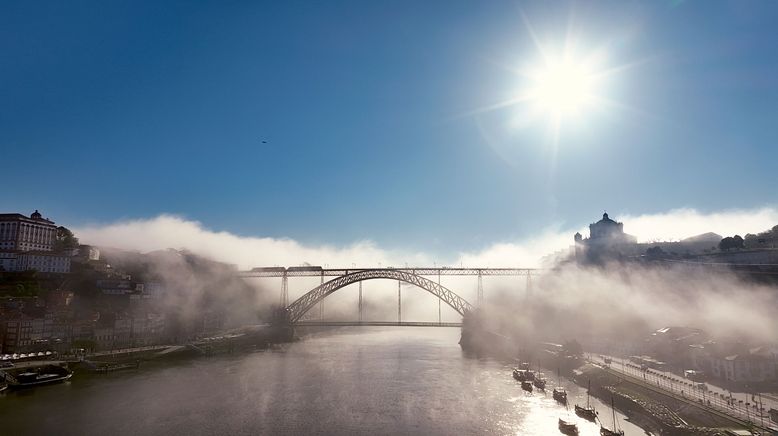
(377, 381)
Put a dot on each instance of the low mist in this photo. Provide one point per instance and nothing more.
(618, 301)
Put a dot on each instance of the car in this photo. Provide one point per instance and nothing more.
(6, 364)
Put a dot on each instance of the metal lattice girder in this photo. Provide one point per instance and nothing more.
(299, 307)
(334, 272)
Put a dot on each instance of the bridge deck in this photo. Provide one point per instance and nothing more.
(375, 324)
(334, 272)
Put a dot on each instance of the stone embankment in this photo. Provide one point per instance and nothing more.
(645, 406)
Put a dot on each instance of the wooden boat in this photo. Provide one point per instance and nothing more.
(540, 383)
(568, 427)
(110, 367)
(520, 374)
(560, 394)
(615, 431)
(526, 385)
(587, 412)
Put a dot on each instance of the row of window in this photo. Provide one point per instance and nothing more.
(28, 232)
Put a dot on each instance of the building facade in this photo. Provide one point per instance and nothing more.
(606, 240)
(33, 233)
(27, 243)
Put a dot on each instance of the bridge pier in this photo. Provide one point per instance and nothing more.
(439, 299)
(477, 338)
(284, 290)
(399, 302)
(480, 297)
(281, 327)
(321, 303)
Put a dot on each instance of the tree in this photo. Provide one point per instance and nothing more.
(65, 239)
(656, 252)
(731, 242)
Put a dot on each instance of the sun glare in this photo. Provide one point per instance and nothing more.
(561, 87)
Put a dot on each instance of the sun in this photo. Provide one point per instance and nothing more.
(565, 86)
(561, 86)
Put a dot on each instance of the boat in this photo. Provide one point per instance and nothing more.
(104, 367)
(526, 385)
(587, 412)
(615, 431)
(36, 376)
(520, 374)
(560, 394)
(568, 427)
(540, 383)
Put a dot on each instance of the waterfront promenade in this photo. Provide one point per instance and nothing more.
(737, 406)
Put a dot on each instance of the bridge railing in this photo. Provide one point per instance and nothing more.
(421, 271)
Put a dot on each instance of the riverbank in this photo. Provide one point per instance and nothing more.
(653, 409)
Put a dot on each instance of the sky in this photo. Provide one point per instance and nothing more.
(384, 125)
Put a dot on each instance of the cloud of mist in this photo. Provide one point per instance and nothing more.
(615, 308)
(569, 303)
(683, 223)
(167, 231)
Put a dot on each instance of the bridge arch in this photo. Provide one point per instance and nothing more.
(299, 307)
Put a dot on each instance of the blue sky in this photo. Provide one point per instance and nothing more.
(116, 110)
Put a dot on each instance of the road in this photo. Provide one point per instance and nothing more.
(740, 405)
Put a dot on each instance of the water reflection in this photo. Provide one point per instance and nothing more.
(358, 381)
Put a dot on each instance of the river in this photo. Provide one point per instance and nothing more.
(377, 381)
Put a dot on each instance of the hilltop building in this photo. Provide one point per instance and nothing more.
(27, 243)
(606, 240)
(33, 233)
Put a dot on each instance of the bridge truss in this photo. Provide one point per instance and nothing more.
(421, 271)
(299, 307)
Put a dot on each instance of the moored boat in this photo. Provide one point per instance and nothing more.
(526, 385)
(560, 394)
(587, 412)
(605, 431)
(568, 427)
(36, 376)
(520, 374)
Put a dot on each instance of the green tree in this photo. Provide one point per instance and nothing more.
(731, 242)
(65, 239)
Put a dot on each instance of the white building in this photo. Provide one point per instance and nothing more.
(18, 232)
(27, 243)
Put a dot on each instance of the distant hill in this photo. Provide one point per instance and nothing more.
(705, 237)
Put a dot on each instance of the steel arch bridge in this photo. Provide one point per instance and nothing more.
(299, 307)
